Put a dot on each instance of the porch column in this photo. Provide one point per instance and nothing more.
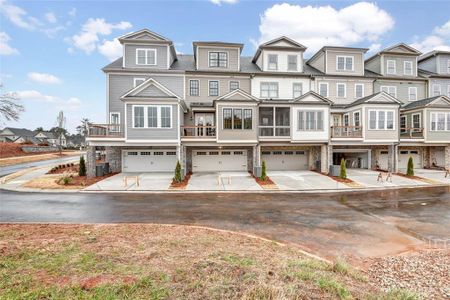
(447, 157)
(323, 159)
(114, 158)
(391, 165)
(329, 157)
(90, 161)
(369, 159)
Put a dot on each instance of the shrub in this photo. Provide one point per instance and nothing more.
(66, 180)
(177, 177)
(82, 170)
(410, 170)
(263, 171)
(343, 173)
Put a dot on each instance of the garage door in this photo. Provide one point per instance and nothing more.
(149, 160)
(285, 160)
(383, 160)
(439, 158)
(404, 156)
(217, 161)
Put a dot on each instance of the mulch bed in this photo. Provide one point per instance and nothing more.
(181, 185)
(84, 181)
(70, 168)
(266, 184)
(410, 177)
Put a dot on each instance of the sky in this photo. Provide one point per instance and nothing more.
(52, 52)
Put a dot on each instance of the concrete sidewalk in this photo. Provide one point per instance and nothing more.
(147, 182)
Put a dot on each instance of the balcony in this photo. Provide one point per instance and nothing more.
(346, 131)
(198, 132)
(411, 133)
(105, 130)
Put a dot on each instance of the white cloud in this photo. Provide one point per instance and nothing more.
(87, 39)
(219, 2)
(5, 48)
(72, 104)
(51, 17)
(44, 78)
(439, 39)
(111, 49)
(18, 16)
(316, 26)
(374, 48)
(72, 12)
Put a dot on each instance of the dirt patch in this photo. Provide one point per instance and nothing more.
(181, 185)
(55, 181)
(32, 157)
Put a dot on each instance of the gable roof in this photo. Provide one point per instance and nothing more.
(143, 32)
(374, 99)
(324, 48)
(48, 134)
(272, 44)
(319, 99)
(23, 132)
(246, 96)
(164, 92)
(391, 50)
(432, 54)
(427, 102)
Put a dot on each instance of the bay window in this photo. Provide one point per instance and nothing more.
(381, 120)
(310, 120)
(274, 121)
(440, 121)
(151, 116)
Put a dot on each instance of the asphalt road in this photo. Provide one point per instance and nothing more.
(362, 224)
(19, 167)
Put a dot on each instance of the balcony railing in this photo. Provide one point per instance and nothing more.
(105, 130)
(198, 131)
(346, 131)
(411, 133)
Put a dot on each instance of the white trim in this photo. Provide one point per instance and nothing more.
(412, 120)
(218, 88)
(189, 93)
(389, 87)
(138, 78)
(110, 115)
(168, 56)
(229, 85)
(146, 56)
(363, 88)
(345, 63)
(158, 116)
(268, 61)
(385, 119)
(387, 67)
(107, 95)
(146, 84)
(435, 115)
(328, 91)
(448, 68)
(440, 89)
(409, 93)
(404, 67)
(353, 121)
(242, 118)
(268, 96)
(403, 129)
(337, 90)
(218, 51)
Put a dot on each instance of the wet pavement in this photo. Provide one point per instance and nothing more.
(360, 224)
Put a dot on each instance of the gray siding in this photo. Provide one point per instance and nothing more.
(403, 88)
(409, 118)
(429, 64)
(444, 83)
(381, 134)
(374, 65)
(319, 62)
(400, 59)
(237, 134)
(147, 133)
(203, 58)
(350, 95)
(161, 56)
(358, 63)
(436, 135)
(443, 64)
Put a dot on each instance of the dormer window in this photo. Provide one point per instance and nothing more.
(391, 67)
(292, 62)
(218, 59)
(408, 70)
(146, 57)
(344, 63)
(273, 62)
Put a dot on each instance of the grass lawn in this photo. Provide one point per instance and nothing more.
(134, 261)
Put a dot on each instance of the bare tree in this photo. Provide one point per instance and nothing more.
(9, 108)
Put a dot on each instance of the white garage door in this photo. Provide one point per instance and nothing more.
(218, 161)
(285, 160)
(439, 157)
(404, 156)
(383, 160)
(149, 160)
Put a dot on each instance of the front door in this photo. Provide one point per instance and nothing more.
(204, 123)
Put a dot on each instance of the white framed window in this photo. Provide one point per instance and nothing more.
(114, 119)
(218, 59)
(272, 62)
(403, 124)
(269, 90)
(292, 62)
(440, 121)
(137, 81)
(356, 119)
(381, 119)
(415, 121)
(237, 118)
(346, 120)
(146, 56)
(341, 90)
(408, 67)
(412, 93)
(213, 88)
(391, 66)
(310, 120)
(234, 85)
(344, 63)
(436, 89)
(297, 89)
(194, 87)
(359, 90)
(152, 116)
(323, 89)
(391, 90)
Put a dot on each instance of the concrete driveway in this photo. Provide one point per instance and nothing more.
(303, 180)
(222, 181)
(368, 178)
(147, 182)
(435, 175)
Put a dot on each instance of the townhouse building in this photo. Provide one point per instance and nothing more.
(216, 110)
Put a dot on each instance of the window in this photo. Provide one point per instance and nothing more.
(274, 121)
(152, 116)
(292, 62)
(391, 66)
(227, 119)
(234, 85)
(391, 90)
(146, 153)
(237, 118)
(214, 88)
(323, 89)
(273, 62)
(403, 124)
(356, 119)
(218, 59)
(146, 57)
(248, 119)
(381, 120)
(114, 119)
(440, 121)
(346, 120)
(359, 90)
(344, 63)
(297, 89)
(269, 89)
(436, 89)
(412, 92)
(138, 81)
(310, 120)
(407, 68)
(341, 90)
(415, 121)
(194, 87)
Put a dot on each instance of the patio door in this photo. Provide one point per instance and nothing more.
(204, 123)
